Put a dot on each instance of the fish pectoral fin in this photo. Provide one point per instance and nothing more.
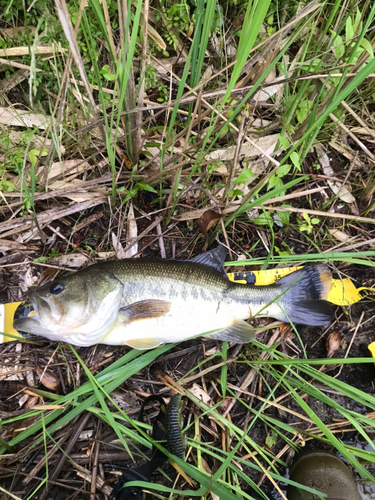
(145, 309)
(142, 344)
(239, 332)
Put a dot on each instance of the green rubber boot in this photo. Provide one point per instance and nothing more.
(324, 472)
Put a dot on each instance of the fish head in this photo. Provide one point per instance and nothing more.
(84, 304)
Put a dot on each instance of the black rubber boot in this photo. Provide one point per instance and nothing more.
(324, 472)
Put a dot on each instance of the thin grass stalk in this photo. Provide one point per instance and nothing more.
(111, 378)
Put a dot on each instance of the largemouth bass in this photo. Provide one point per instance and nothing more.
(143, 303)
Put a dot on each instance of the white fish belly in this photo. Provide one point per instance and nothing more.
(185, 319)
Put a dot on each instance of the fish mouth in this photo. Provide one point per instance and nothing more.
(32, 325)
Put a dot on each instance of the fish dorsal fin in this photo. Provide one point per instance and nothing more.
(145, 309)
(239, 332)
(214, 258)
(143, 344)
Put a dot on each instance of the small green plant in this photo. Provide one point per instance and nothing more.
(268, 218)
(309, 223)
(53, 253)
(107, 74)
(244, 176)
(264, 219)
(178, 17)
(218, 20)
(353, 25)
(275, 179)
(232, 109)
(151, 80)
(303, 110)
(6, 186)
(14, 161)
(34, 153)
(271, 439)
(284, 249)
(271, 28)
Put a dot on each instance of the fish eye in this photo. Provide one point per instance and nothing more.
(56, 288)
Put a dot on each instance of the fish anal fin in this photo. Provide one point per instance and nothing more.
(143, 344)
(145, 309)
(240, 332)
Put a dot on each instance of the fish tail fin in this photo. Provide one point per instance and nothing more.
(306, 292)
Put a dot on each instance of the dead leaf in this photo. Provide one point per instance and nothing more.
(88, 221)
(324, 160)
(23, 399)
(207, 220)
(333, 343)
(21, 118)
(200, 393)
(221, 169)
(65, 168)
(260, 123)
(346, 152)
(86, 434)
(6, 245)
(119, 249)
(78, 193)
(105, 255)
(339, 190)
(267, 144)
(7, 84)
(212, 351)
(32, 401)
(353, 208)
(74, 260)
(26, 279)
(18, 31)
(156, 37)
(25, 51)
(206, 467)
(339, 235)
(207, 74)
(342, 192)
(267, 92)
(15, 137)
(48, 378)
(363, 131)
(165, 66)
(49, 274)
(131, 233)
(48, 407)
